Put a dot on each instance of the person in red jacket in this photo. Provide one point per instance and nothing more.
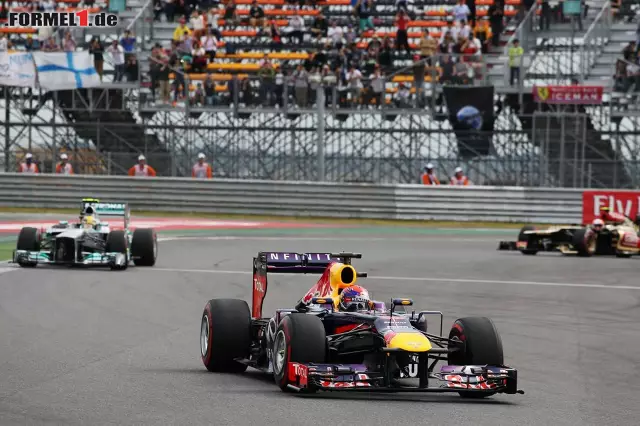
(201, 170)
(429, 176)
(142, 169)
(28, 166)
(64, 167)
(459, 178)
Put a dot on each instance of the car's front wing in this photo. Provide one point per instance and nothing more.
(85, 258)
(354, 377)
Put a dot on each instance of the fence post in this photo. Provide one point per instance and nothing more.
(320, 135)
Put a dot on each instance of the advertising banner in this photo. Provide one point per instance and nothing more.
(624, 202)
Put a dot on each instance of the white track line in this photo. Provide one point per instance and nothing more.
(419, 239)
(428, 279)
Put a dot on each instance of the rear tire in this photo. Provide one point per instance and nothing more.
(522, 237)
(299, 338)
(144, 247)
(584, 240)
(117, 243)
(28, 239)
(225, 334)
(483, 346)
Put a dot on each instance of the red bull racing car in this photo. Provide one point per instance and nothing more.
(320, 346)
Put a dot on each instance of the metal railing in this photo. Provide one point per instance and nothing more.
(595, 39)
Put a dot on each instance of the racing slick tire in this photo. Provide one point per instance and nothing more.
(28, 239)
(483, 346)
(522, 237)
(225, 334)
(585, 242)
(144, 247)
(299, 338)
(117, 243)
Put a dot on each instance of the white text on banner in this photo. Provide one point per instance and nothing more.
(17, 69)
(65, 70)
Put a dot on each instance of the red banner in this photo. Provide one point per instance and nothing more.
(624, 202)
(568, 95)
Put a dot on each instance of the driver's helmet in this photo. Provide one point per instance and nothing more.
(597, 224)
(88, 222)
(354, 298)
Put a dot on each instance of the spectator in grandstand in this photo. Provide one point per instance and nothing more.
(376, 87)
(142, 169)
(320, 27)
(419, 70)
(451, 31)
(64, 167)
(429, 175)
(181, 31)
(297, 29)
(170, 9)
(461, 11)
(231, 14)
(30, 44)
(28, 165)
(465, 30)
(158, 8)
(461, 72)
(256, 15)
(198, 96)
(212, 23)
(402, 98)
(131, 69)
(301, 85)
(198, 58)
(201, 170)
(47, 5)
(364, 10)
(446, 69)
(267, 75)
(471, 4)
(97, 50)
(335, 34)
(50, 45)
(354, 78)
(276, 37)
(482, 32)
(128, 43)
(209, 43)
(197, 23)
(545, 15)
(68, 44)
(496, 14)
(428, 46)
(4, 42)
(402, 38)
(459, 178)
(629, 52)
(181, 88)
(515, 61)
(117, 59)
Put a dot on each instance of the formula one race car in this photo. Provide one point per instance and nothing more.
(89, 242)
(618, 236)
(318, 345)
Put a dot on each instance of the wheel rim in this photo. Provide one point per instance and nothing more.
(204, 335)
(279, 352)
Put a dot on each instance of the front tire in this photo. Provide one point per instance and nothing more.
(117, 243)
(144, 247)
(531, 248)
(585, 242)
(299, 338)
(225, 334)
(29, 240)
(483, 346)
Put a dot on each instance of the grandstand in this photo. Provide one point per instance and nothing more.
(373, 139)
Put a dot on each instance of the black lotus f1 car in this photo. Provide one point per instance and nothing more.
(315, 347)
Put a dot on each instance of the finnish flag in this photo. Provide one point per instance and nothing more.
(65, 70)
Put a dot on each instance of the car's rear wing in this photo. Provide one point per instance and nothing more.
(291, 263)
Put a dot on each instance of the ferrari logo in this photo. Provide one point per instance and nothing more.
(543, 93)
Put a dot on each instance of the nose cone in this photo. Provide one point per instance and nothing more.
(410, 342)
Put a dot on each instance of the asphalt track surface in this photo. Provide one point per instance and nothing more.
(101, 347)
